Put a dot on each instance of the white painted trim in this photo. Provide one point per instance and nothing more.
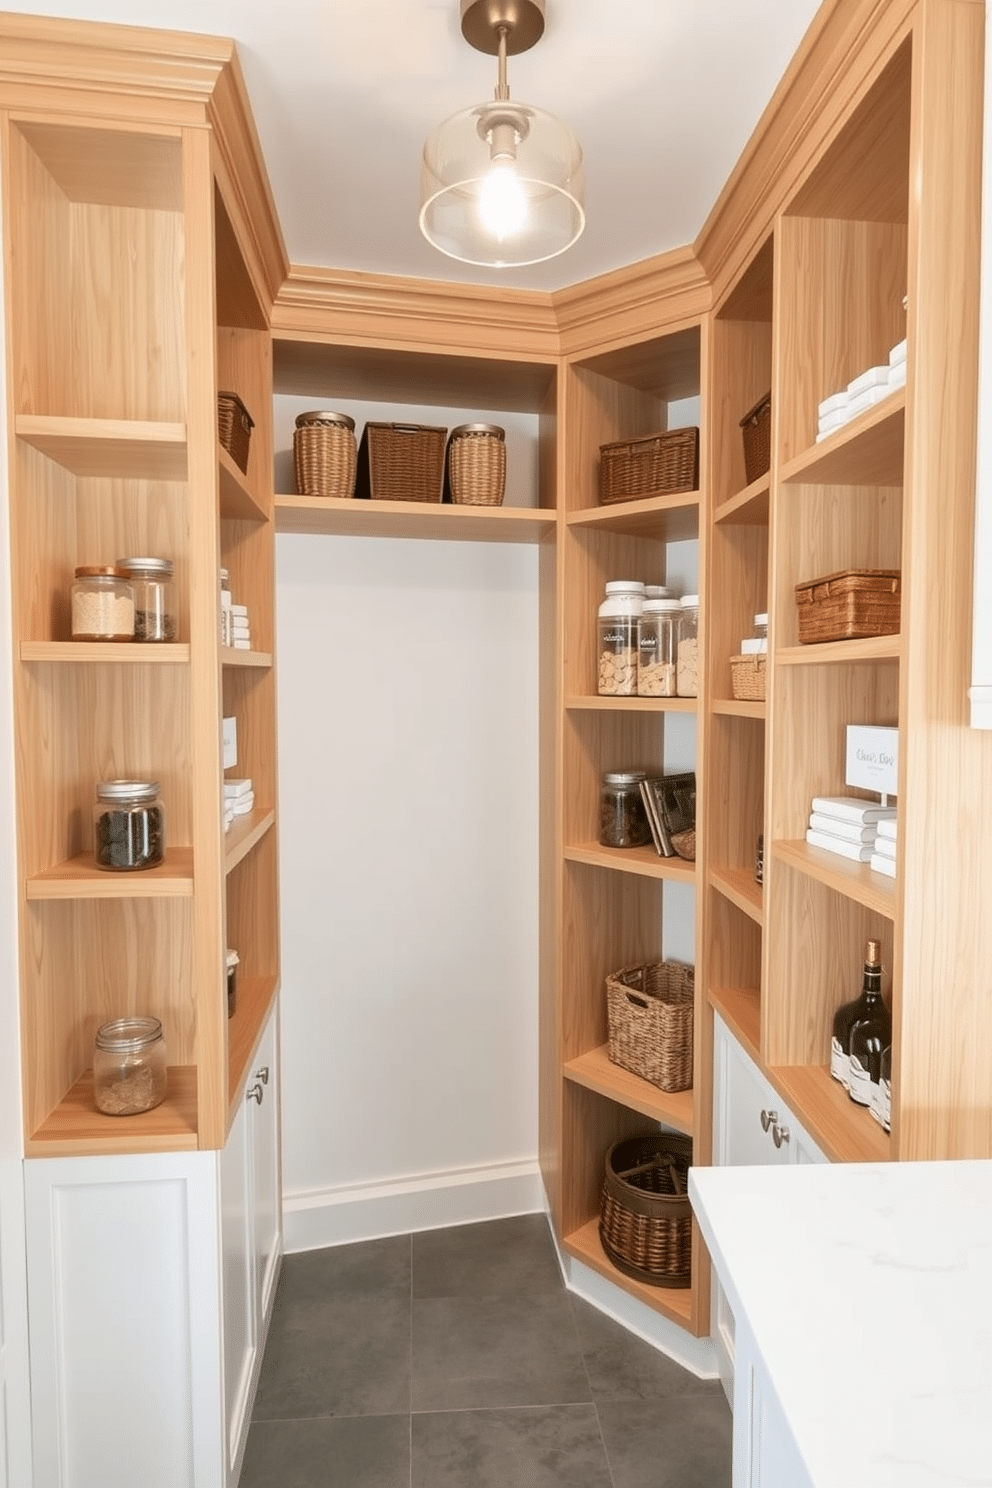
(981, 706)
(423, 1201)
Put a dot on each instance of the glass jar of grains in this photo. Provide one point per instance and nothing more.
(128, 825)
(687, 673)
(129, 1068)
(102, 604)
(617, 631)
(657, 648)
(154, 605)
(623, 821)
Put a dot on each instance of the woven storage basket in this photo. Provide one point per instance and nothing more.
(234, 425)
(747, 677)
(854, 602)
(658, 464)
(476, 465)
(756, 427)
(401, 462)
(325, 454)
(649, 1012)
(645, 1218)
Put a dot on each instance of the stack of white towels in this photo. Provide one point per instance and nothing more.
(851, 827)
(239, 798)
(883, 859)
(862, 392)
(240, 629)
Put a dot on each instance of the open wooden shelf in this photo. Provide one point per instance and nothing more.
(674, 1303)
(738, 708)
(127, 448)
(231, 656)
(749, 508)
(855, 881)
(643, 860)
(741, 888)
(839, 653)
(80, 878)
(334, 516)
(253, 1001)
(238, 501)
(866, 452)
(108, 653)
(590, 702)
(76, 1128)
(665, 518)
(846, 1132)
(596, 1071)
(740, 1009)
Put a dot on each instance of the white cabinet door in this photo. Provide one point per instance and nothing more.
(765, 1453)
(237, 1263)
(266, 1172)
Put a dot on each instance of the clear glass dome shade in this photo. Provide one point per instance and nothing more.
(501, 184)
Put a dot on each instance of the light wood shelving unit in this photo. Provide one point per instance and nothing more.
(131, 297)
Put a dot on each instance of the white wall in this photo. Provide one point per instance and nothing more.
(408, 810)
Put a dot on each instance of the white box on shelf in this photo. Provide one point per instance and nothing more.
(874, 377)
(872, 758)
(898, 353)
(859, 851)
(229, 735)
(882, 864)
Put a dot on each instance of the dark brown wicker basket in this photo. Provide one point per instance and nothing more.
(649, 1012)
(854, 602)
(234, 425)
(476, 465)
(657, 465)
(756, 426)
(401, 462)
(325, 454)
(646, 1220)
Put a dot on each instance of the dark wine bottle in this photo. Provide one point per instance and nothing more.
(849, 1013)
(871, 1032)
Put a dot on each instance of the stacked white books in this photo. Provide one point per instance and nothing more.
(846, 825)
(883, 859)
(861, 393)
(240, 629)
(239, 798)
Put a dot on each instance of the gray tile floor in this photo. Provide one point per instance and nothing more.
(455, 1358)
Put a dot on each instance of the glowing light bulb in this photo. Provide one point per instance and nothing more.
(502, 202)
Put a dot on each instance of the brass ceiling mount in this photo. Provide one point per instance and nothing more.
(521, 21)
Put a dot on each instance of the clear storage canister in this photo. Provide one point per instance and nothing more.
(687, 674)
(657, 648)
(102, 604)
(618, 629)
(154, 602)
(129, 1066)
(623, 821)
(128, 825)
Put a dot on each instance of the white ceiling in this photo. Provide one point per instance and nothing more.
(663, 95)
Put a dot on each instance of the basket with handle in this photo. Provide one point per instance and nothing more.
(657, 464)
(234, 426)
(645, 1220)
(856, 602)
(756, 428)
(401, 462)
(649, 1010)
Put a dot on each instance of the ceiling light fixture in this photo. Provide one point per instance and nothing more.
(501, 184)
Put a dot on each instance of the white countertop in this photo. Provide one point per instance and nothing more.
(866, 1283)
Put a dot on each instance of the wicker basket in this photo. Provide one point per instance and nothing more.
(476, 465)
(401, 462)
(842, 606)
(325, 454)
(234, 425)
(645, 1218)
(747, 677)
(649, 1011)
(659, 464)
(756, 426)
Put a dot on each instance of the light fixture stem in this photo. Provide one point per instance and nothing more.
(502, 86)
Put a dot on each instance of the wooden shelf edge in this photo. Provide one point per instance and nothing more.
(642, 860)
(109, 653)
(139, 448)
(738, 708)
(335, 517)
(739, 886)
(230, 656)
(80, 878)
(246, 832)
(740, 1009)
(674, 1303)
(592, 702)
(238, 501)
(676, 516)
(595, 1071)
(855, 881)
(845, 1131)
(747, 508)
(76, 1128)
(253, 1003)
(869, 448)
(828, 653)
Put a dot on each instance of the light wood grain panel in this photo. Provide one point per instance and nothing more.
(675, 1303)
(667, 517)
(244, 366)
(733, 952)
(550, 891)
(740, 1009)
(742, 359)
(735, 791)
(118, 168)
(132, 448)
(740, 887)
(868, 451)
(596, 1072)
(414, 519)
(739, 575)
(80, 878)
(846, 1132)
(748, 507)
(594, 743)
(44, 537)
(249, 696)
(601, 410)
(253, 1002)
(76, 1128)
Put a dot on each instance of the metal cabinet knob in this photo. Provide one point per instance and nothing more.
(263, 1074)
(780, 1134)
(768, 1118)
(255, 1093)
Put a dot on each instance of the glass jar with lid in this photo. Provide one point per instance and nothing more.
(657, 648)
(129, 1066)
(102, 604)
(757, 643)
(623, 820)
(154, 601)
(128, 825)
(618, 628)
(687, 666)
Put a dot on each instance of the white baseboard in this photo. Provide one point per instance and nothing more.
(424, 1201)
